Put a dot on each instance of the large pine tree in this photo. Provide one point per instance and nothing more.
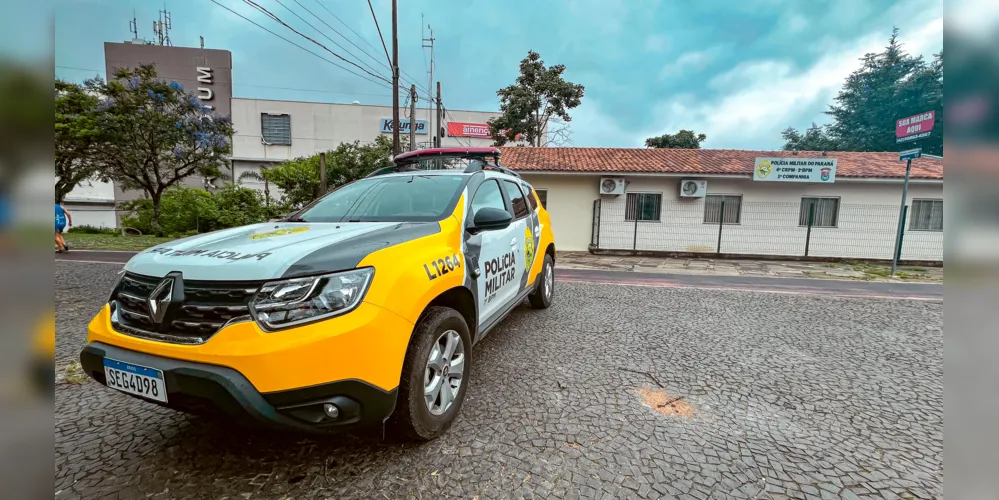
(889, 85)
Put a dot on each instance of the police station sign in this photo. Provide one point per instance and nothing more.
(795, 170)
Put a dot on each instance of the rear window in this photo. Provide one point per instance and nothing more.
(388, 199)
(516, 199)
(530, 197)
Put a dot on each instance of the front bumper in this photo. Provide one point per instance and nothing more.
(203, 388)
(269, 376)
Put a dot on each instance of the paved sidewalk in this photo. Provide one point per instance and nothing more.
(730, 267)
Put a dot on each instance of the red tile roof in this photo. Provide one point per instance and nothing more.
(703, 161)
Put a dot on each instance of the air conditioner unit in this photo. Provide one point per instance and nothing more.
(612, 185)
(693, 189)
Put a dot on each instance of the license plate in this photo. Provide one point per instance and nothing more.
(135, 379)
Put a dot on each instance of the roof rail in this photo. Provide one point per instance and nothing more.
(390, 170)
(479, 167)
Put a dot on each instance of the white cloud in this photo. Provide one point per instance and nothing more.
(656, 43)
(693, 60)
(764, 97)
(795, 23)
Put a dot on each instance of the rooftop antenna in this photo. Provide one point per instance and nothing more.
(162, 27)
(133, 27)
(202, 41)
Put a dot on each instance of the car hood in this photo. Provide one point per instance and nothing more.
(275, 250)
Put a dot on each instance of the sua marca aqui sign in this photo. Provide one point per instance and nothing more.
(914, 127)
(795, 170)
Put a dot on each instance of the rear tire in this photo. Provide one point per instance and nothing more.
(437, 330)
(544, 293)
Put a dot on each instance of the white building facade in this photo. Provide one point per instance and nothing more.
(269, 132)
(856, 216)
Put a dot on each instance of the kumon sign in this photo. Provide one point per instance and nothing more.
(795, 170)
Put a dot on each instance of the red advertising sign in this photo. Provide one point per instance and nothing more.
(461, 129)
(914, 127)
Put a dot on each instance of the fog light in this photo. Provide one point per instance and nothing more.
(331, 410)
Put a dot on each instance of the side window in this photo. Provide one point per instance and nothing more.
(516, 199)
(530, 197)
(488, 195)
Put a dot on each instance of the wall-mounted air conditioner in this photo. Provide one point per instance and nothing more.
(612, 185)
(690, 188)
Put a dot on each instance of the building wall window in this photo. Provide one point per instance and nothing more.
(276, 129)
(826, 211)
(926, 215)
(713, 208)
(543, 196)
(643, 207)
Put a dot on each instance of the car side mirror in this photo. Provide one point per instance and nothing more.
(490, 219)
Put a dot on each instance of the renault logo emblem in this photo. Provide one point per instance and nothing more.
(159, 300)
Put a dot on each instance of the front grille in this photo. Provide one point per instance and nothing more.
(207, 306)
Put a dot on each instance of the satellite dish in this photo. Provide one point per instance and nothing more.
(356, 102)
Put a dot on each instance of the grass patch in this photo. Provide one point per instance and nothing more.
(917, 269)
(908, 276)
(72, 374)
(79, 241)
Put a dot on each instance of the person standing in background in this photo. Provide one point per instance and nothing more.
(62, 219)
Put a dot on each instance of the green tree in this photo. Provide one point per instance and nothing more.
(76, 133)
(237, 206)
(25, 119)
(156, 135)
(528, 107)
(889, 85)
(299, 178)
(815, 138)
(684, 139)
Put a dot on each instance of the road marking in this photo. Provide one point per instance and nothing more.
(754, 290)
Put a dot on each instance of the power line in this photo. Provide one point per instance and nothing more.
(451, 119)
(286, 25)
(389, 67)
(380, 36)
(299, 46)
(323, 34)
(412, 80)
(324, 91)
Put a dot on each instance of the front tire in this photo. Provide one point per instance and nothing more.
(544, 293)
(435, 376)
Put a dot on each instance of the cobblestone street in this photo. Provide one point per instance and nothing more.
(784, 396)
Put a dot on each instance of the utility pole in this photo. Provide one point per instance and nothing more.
(901, 219)
(428, 43)
(437, 132)
(412, 118)
(396, 149)
(322, 174)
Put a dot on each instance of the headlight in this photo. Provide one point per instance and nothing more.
(286, 303)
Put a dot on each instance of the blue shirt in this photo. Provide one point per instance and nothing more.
(60, 216)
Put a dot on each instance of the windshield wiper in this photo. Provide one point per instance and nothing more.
(295, 219)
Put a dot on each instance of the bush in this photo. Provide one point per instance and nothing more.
(186, 211)
(86, 229)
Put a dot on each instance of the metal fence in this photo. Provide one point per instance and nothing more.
(816, 227)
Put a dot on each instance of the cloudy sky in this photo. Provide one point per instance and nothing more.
(738, 71)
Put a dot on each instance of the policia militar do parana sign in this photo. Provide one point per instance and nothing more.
(821, 170)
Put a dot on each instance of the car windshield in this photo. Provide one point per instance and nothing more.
(389, 198)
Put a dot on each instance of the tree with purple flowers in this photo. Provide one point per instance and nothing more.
(156, 135)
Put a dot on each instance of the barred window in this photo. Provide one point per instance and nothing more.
(926, 215)
(643, 207)
(713, 209)
(826, 211)
(543, 196)
(276, 129)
